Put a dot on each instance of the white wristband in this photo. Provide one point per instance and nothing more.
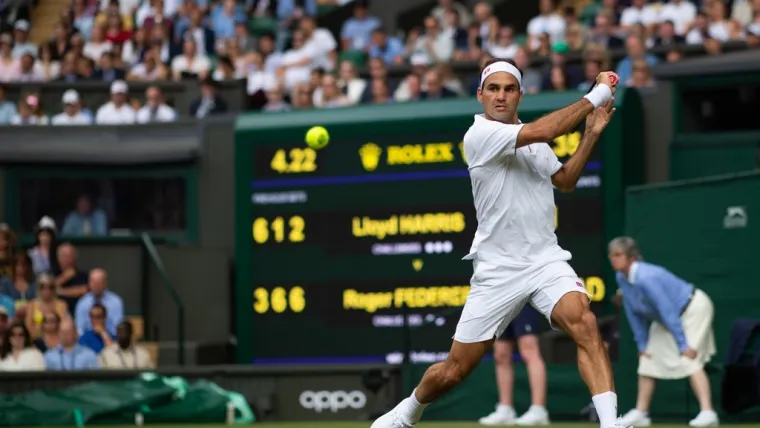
(599, 95)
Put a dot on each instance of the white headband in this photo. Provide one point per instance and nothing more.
(501, 66)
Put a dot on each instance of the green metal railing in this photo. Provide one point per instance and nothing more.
(156, 258)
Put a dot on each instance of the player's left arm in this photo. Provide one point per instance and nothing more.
(567, 177)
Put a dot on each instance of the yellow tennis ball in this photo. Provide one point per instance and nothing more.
(317, 137)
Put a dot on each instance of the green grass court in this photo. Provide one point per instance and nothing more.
(421, 425)
(455, 425)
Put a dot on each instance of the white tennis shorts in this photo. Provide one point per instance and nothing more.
(498, 294)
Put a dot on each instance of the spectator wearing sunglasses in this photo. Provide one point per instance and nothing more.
(49, 338)
(47, 301)
(20, 354)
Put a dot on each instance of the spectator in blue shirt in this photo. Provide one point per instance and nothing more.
(636, 50)
(224, 17)
(99, 294)
(85, 221)
(97, 337)
(21, 286)
(70, 355)
(672, 326)
(7, 108)
(357, 30)
(389, 49)
(289, 10)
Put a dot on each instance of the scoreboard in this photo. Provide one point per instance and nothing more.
(334, 248)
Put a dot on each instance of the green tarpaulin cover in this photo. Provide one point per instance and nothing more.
(149, 397)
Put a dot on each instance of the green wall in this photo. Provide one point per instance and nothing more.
(696, 229)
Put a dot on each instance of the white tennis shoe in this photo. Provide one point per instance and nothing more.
(535, 416)
(391, 419)
(502, 416)
(705, 418)
(636, 418)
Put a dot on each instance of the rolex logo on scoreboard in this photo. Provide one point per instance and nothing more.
(370, 156)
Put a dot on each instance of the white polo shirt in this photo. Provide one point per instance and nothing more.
(163, 113)
(647, 15)
(553, 24)
(513, 195)
(109, 114)
(319, 46)
(78, 119)
(682, 14)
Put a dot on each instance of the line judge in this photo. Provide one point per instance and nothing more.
(672, 326)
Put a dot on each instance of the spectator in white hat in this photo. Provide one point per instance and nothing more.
(21, 43)
(155, 108)
(117, 111)
(72, 111)
(44, 251)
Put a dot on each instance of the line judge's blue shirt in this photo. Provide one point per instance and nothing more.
(653, 293)
(78, 358)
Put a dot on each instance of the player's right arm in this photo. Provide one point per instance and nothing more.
(565, 120)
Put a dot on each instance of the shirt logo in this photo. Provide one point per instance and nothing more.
(579, 284)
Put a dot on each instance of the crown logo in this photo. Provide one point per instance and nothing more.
(370, 156)
(417, 264)
(461, 150)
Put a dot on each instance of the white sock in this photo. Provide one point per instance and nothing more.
(505, 409)
(411, 410)
(606, 408)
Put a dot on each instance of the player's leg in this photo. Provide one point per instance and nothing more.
(491, 305)
(439, 379)
(562, 298)
(573, 315)
(503, 351)
(526, 329)
(442, 377)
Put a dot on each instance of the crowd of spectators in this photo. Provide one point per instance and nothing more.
(289, 62)
(56, 316)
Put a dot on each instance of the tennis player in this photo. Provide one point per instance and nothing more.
(515, 255)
